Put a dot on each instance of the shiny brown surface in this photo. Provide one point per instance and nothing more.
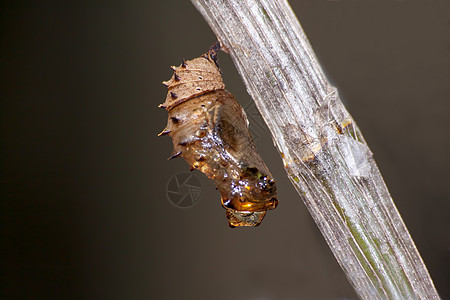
(209, 130)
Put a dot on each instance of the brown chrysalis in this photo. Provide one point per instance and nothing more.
(209, 129)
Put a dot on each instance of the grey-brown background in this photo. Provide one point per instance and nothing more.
(84, 209)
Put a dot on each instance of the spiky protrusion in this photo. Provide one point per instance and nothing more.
(164, 132)
(175, 155)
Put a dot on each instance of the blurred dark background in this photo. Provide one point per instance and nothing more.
(84, 207)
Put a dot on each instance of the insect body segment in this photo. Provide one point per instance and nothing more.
(209, 130)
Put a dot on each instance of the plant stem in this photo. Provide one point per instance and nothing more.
(323, 150)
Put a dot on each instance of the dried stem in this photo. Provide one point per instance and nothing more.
(323, 150)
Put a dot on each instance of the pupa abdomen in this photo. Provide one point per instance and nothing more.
(209, 130)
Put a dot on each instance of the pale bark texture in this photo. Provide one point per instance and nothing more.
(323, 150)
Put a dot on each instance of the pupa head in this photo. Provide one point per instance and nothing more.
(248, 199)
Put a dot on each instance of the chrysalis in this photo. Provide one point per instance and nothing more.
(209, 129)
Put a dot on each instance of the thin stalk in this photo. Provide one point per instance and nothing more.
(323, 150)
